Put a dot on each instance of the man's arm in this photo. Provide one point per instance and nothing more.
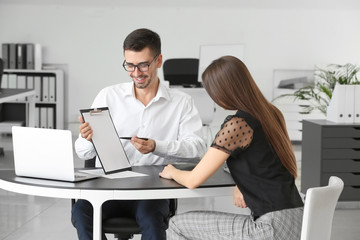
(189, 144)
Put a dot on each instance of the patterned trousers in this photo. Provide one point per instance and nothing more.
(278, 225)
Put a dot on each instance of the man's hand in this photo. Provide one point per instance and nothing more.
(239, 198)
(85, 129)
(143, 146)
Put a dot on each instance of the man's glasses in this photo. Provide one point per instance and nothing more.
(143, 67)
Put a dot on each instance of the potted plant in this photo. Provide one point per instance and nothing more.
(319, 93)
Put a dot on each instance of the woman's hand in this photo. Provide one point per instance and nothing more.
(208, 165)
(167, 171)
(239, 198)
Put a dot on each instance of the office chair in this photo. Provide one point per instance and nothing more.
(319, 208)
(182, 72)
(123, 228)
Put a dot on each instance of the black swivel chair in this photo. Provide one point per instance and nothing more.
(124, 228)
(182, 71)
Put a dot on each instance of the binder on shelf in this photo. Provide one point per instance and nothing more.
(12, 79)
(5, 54)
(52, 89)
(12, 56)
(336, 109)
(4, 81)
(20, 56)
(37, 56)
(21, 84)
(50, 118)
(357, 103)
(43, 117)
(37, 87)
(21, 81)
(349, 103)
(37, 117)
(30, 82)
(30, 51)
(45, 89)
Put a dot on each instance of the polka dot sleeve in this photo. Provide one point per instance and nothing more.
(235, 133)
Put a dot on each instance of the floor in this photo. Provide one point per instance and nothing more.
(30, 217)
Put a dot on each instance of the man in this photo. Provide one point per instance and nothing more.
(145, 108)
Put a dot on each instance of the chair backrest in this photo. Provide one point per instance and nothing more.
(182, 71)
(319, 208)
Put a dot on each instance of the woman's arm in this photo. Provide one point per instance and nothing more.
(208, 165)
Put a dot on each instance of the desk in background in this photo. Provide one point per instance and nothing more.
(100, 190)
(8, 95)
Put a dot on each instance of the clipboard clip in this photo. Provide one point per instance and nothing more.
(95, 111)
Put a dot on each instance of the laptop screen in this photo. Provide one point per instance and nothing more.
(43, 153)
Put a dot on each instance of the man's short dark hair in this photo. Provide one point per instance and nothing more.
(142, 38)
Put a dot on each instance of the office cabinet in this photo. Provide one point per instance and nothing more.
(49, 98)
(331, 149)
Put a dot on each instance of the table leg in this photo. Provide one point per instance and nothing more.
(97, 198)
(97, 220)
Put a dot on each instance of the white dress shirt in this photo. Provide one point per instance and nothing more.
(171, 119)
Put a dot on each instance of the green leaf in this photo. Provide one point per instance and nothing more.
(319, 94)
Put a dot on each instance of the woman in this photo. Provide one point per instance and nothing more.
(255, 145)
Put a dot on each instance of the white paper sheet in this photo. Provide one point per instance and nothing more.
(124, 174)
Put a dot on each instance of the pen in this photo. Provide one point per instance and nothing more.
(129, 138)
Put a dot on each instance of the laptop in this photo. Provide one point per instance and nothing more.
(45, 153)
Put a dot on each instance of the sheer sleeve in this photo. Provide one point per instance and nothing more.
(235, 133)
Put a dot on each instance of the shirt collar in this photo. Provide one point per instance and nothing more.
(163, 91)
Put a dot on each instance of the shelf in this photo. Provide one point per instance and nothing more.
(49, 96)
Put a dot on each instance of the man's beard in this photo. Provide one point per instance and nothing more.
(144, 84)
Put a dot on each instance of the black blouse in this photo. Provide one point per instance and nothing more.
(255, 167)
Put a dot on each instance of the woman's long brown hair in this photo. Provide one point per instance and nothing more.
(230, 84)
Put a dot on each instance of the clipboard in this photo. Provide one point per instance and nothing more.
(105, 140)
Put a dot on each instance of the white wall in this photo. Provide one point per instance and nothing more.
(86, 36)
